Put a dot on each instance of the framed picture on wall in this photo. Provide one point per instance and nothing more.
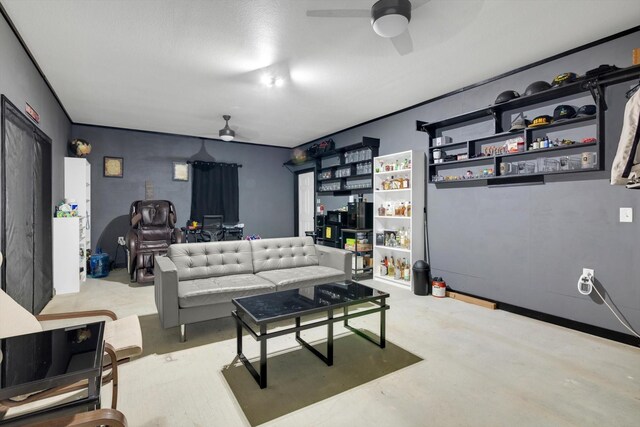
(180, 171)
(113, 167)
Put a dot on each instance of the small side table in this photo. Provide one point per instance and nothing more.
(49, 359)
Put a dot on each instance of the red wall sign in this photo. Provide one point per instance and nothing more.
(32, 113)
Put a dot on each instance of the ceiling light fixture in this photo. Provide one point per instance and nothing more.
(390, 18)
(271, 81)
(226, 133)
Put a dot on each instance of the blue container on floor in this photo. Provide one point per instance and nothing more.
(99, 264)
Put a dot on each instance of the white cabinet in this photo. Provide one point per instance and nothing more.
(399, 191)
(72, 236)
(68, 264)
(77, 186)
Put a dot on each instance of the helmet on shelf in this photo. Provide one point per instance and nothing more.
(507, 95)
(535, 87)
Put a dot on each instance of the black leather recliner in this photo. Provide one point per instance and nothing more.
(152, 231)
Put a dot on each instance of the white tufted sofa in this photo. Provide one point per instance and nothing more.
(197, 281)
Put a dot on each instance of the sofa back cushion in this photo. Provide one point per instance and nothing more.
(288, 252)
(214, 259)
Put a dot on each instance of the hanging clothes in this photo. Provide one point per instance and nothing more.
(626, 163)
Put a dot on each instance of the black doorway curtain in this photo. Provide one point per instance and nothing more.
(215, 191)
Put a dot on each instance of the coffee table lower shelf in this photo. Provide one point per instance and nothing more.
(262, 335)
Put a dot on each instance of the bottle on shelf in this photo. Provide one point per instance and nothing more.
(407, 271)
(391, 268)
(381, 210)
(408, 211)
(397, 272)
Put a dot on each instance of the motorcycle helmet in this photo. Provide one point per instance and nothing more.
(507, 95)
(536, 87)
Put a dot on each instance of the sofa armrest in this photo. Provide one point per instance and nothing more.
(335, 258)
(166, 291)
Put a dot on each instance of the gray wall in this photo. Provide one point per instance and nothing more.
(266, 187)
(20, 82)
(526, 245)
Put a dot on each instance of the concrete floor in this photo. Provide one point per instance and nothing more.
(480, 368)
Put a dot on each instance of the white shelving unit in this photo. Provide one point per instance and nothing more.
(77, 186)
(414, 224)
(66, 255)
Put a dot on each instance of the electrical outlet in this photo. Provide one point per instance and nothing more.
(626, 214)
(585, 283)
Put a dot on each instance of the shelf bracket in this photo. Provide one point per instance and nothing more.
(596, 92)
(497, 120)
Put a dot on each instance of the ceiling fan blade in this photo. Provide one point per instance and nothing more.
(418, 3)
(403, 43)
(340, 13)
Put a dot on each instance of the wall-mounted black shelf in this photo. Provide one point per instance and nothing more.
(593, 85)
(503, 112)
(371, 144)
(495, 110)
(502, 179)
(523, 153)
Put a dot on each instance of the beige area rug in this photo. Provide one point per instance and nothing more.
(298, 378)
(156, 340)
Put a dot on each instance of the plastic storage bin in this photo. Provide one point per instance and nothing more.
(99, 265)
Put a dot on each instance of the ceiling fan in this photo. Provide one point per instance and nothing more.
(226, 133)
(389, 19)
(229, 134)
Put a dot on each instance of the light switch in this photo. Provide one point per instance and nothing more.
(626, 214)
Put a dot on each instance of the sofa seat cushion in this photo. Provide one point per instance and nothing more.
(299, 277)
(213, 290)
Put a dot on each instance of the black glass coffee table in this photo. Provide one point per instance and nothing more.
(45, 360)
(262, 310)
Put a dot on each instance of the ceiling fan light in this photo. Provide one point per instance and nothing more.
(226, 133)
(390, 25)
(390, 18)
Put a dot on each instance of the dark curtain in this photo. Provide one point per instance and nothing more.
(215, 191)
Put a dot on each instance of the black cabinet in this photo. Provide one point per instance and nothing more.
(25, 215)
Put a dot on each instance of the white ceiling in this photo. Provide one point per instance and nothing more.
(178, 66)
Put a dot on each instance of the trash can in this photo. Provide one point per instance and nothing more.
(421, 278)
(99, 264)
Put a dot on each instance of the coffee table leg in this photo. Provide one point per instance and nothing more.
(238, 337)
(330, 339)
(383, 317)
(261, 378)
(263, 357)
(382, 342)
(328, 359)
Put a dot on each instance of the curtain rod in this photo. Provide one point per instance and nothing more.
(190, 162)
